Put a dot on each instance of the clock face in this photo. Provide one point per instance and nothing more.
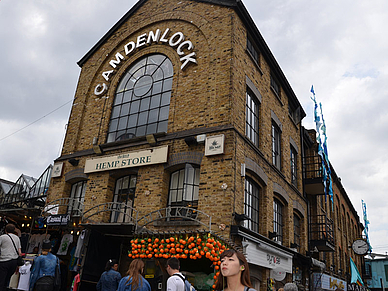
(360, 247)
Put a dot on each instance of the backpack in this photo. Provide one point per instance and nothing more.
(188, 286)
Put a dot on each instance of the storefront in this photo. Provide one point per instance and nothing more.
(323, 281)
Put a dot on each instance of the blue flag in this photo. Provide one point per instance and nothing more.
(355, 275)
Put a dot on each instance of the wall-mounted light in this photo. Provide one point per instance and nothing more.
(151, 139)
(240, 217)
(224, 186)
(272, 235)
(191, 141)
(97, 150)
(73, 162)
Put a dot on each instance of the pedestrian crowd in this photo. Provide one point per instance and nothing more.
(234, 271)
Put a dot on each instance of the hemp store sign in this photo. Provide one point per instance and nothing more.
(175, 40)
(151, 156)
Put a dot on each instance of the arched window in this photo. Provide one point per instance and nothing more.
(142, 99)
(123, 197)
(251, 204)
(278, 220)
(184, 187)
(77, 197)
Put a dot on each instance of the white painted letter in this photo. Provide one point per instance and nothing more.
(179, 49)
(116, 62)
(97, 90)
(180, 38)
(141, 40)
(128, 51)
(187, 59)
(153, 37)
(106, 74)
(163, 38)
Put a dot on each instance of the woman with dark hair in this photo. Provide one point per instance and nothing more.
(234, 275)
(134, 280)
(110, 279)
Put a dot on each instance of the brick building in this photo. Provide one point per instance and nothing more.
(183, 125)
(334, 225)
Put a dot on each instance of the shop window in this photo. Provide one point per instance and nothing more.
(184, 189)
(77, 197)
(123, 199)
(297, 222)
(293, 160)
(251, 204)
(278, 220)
(252, 117)
(142, 100)
(276, 134)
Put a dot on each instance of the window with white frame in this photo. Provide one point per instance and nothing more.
(142, 99)
(252, 117)
(278, 220)
(77, 197)
(123, 199)
(293, 161)
(184, 187)
(276, 150)
(251, 204)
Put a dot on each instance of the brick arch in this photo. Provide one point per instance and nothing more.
(75, 175)
(183, 158)
(279, 190)
(253, 167)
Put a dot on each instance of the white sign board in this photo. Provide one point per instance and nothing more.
(147, 157)
(214, 145)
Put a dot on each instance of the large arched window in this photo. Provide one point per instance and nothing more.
(142, 99)
(77, 197)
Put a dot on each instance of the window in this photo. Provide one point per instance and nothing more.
(297, 230)
(275, 145)
(275, 86)
(251, 205)
(123, 197)
(278, 220)
(77, 197)
(293, 166)
(184, 187)
(142, 100)
(252, 117)
(253, 51)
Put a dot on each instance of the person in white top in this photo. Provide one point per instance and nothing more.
(174, 283)
(8, 255)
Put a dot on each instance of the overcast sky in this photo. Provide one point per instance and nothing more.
(340, 47)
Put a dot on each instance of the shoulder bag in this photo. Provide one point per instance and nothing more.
(20, 261)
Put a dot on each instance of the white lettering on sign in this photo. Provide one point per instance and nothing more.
(183, 49)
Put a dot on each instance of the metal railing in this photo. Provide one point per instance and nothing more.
(176, 213)
(120, 212)
(322, 228)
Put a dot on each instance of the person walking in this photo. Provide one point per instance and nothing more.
(43, 270)
(176, 280)
(134, 281)
(8, 255)
(234, 275)
(110, 279)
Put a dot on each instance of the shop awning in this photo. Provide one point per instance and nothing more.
(111, 229)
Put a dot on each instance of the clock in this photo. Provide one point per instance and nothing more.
(360, 247)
